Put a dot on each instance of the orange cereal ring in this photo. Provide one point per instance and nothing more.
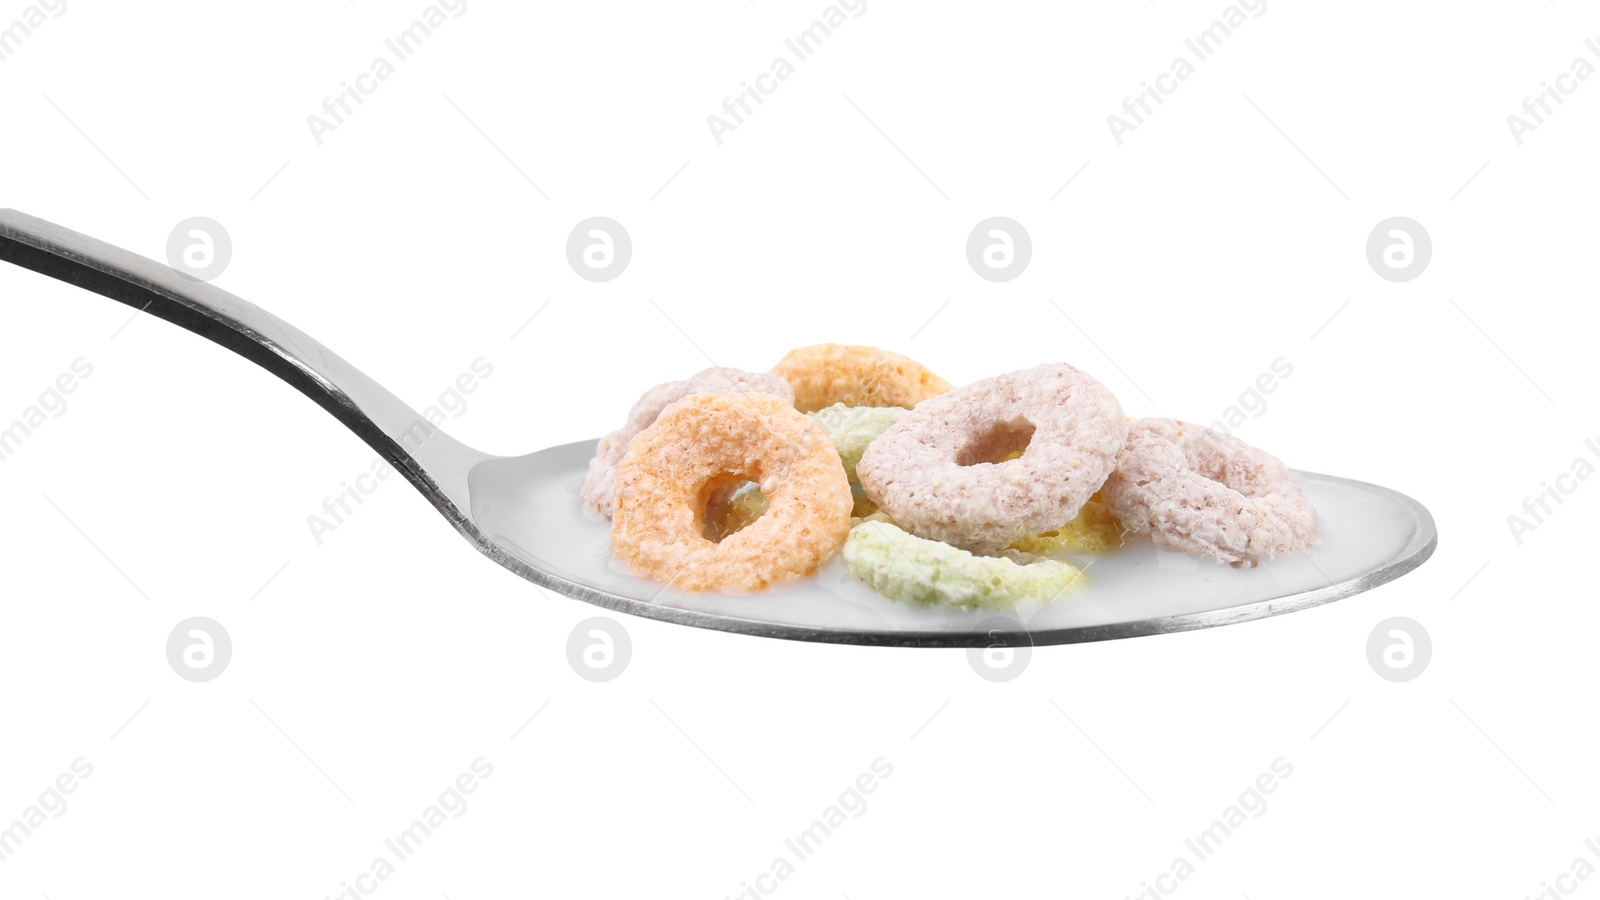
(825, 374)
(695, 449)
(600, 485)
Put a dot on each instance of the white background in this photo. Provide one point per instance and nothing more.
(179, 479)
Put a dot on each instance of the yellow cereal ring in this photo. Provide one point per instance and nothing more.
(1095, 530)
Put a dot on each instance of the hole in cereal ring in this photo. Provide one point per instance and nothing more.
(732, 504)
(1003, 441)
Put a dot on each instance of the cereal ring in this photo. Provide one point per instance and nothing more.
(935, 473)
(1094, 530)
(1206, 493)
(915, 570)
(599, 485)
(852, 428)
(825, 374)
(703, 443)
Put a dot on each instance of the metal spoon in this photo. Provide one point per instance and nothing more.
(523, 512)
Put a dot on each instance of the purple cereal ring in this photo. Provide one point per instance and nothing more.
(1206, 493)
(942, 471)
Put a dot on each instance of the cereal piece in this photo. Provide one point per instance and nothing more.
(915, 570)
(599, 486)
(704, 443)
(1206, 493)
(825, 374)
(936, 471)
(1094, 530)
(852, 428)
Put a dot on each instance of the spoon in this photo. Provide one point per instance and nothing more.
(523, 512)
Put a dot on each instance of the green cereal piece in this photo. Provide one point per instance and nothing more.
(915, 570)
(852, 428)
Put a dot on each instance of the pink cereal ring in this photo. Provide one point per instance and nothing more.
(942, 471)
(1206, 493)
(600, 484)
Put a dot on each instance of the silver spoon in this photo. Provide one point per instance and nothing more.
(523, 512)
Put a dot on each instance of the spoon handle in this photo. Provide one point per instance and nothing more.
(432, 461)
